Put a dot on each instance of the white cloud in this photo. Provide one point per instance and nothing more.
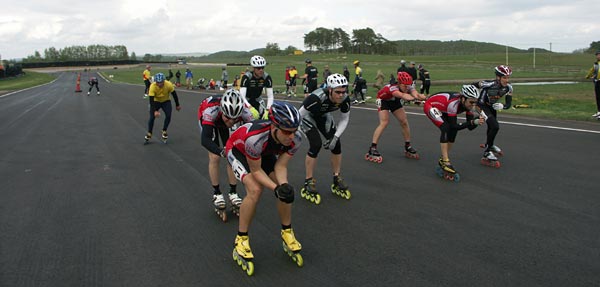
(162, 26)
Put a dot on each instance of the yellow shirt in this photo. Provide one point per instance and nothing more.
(161, 95)
(358, 71)
(293, 73)
(146, 75)
(592, 70)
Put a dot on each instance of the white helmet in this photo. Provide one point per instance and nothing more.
(232, 104)
(470, 91)
(336, 80)
(258, 61)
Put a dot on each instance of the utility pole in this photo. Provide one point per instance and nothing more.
(507, 55)
(534, 58)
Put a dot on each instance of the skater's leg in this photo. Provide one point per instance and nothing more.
(400, 114)
(336, 163)
(167, 108)
(310, 163)
(248, 207)
(213, 168)
(384, 119)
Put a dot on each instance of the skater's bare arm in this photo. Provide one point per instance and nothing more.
(281, 168)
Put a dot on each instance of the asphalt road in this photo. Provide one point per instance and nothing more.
(84, 203)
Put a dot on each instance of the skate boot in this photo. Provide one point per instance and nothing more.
(489, 159)
(236, 202)
(165, 136)
(446, 171)
(340, 188)
(242, 254)
(410, 152)
(374, 155)
(147, 138)
(219, 203)
(309, 191)
(291, 246)
(494, 148)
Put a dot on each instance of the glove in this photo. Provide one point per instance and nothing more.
(378, 103)
(498, 106)
(330, 143)
(285, 193)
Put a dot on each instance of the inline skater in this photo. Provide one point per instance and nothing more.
(259, 153)
(317, 120)
(146, 76)
(158, 95)
(490, 94)
(252, 85)
(388, 101)
(442, 109)
(93, 82)
(216, 115)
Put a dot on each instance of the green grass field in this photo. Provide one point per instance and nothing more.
(30, 79)
(564, 101)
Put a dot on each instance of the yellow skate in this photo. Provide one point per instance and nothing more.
(242, 254)
(291, 246)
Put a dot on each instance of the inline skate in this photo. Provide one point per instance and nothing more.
(340, 188)
(309, 191)
(490, 159)
(165, 136)
(147, 138)
(219, 203)
(242, 254)
(236, 202)
(291, 246)
(494, 148)
(373, 155)
(410, 152)
(446, 171)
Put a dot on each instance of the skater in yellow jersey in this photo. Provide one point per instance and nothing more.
(158, 95)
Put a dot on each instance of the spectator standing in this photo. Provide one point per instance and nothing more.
(594, 75)
(189, 79)
(412, 71)
(426, 81)
(224, 78)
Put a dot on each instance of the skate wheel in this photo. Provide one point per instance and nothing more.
(250, 269)
(348, 194)
(298, 259)
(438, 171)
(317, 199)
(379, 160)
(303, 192)
(367, 157)
(456, 177)
(497, 164)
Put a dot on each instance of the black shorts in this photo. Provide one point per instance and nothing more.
(391, 105)
(240, 166)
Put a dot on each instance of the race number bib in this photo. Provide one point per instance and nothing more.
(435, 113)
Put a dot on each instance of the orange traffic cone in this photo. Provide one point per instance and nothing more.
(78, 86)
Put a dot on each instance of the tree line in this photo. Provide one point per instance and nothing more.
(81, 53)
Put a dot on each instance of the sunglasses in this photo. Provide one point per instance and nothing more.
(259, 68)
(287, 132)
(339, 92)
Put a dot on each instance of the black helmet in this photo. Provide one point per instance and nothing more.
(308, 61)
(284, 115)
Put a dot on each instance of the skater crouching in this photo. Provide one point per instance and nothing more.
(442, 109)
(388, 101)
(259, 153)
(317, 120)
(158, 95)
(216, 115)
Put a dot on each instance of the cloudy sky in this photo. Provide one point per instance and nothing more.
(160, 26)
